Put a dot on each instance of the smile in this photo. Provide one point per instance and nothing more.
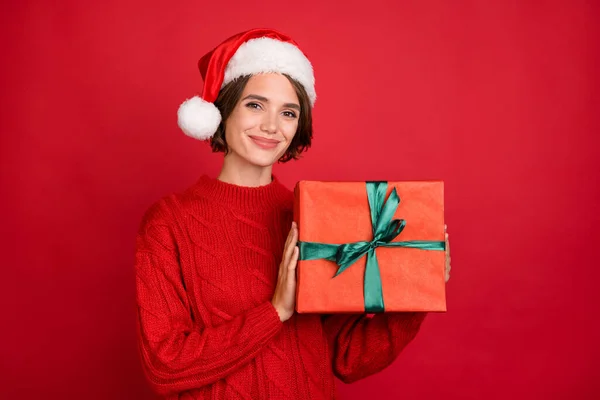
(264, 143)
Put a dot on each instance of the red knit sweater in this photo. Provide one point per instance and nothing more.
(206, 266)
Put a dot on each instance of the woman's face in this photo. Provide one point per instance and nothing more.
(264, 122)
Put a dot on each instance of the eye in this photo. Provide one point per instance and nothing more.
(289, 114)
(253, 105)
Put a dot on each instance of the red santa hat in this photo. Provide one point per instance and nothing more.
(248, 53)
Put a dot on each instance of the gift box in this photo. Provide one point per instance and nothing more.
(370, 247)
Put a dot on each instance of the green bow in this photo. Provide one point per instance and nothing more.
(385, 229)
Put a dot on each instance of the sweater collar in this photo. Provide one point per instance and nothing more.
(274, 194)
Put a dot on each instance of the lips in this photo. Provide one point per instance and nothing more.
(264, 143)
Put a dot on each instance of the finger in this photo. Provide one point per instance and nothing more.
(290, 245)
(289, 236)
(293, 263)
(294, 259)
(294, 238)
(285, 256)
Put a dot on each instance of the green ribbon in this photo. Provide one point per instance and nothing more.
(385, 229)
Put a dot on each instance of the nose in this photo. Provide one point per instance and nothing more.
(269, 122)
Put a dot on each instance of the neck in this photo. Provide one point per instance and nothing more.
(241, 173)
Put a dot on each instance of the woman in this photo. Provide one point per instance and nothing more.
(215, 264)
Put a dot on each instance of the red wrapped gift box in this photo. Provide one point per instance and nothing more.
(336, 225)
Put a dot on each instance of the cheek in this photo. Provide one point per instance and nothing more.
(289, 131)
(240, 121)
(229, 130)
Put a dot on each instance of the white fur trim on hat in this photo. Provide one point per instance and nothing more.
(198, 118)
(264, 55)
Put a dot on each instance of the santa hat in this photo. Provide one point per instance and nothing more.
(248, 53)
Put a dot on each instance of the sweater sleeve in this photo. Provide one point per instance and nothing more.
(364, 345)
(178, 352)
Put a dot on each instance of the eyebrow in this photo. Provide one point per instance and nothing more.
(261, 98)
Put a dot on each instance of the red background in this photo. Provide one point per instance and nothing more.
(498, 99)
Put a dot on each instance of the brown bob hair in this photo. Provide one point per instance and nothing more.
(230, 95)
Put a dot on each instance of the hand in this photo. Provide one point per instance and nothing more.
(284, 299)
(447, 272)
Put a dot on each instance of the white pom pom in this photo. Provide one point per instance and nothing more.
(198, 118)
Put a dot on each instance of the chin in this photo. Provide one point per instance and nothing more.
(262, 161)
(263, 158)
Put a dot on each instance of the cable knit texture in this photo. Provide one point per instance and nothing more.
(207, 261)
